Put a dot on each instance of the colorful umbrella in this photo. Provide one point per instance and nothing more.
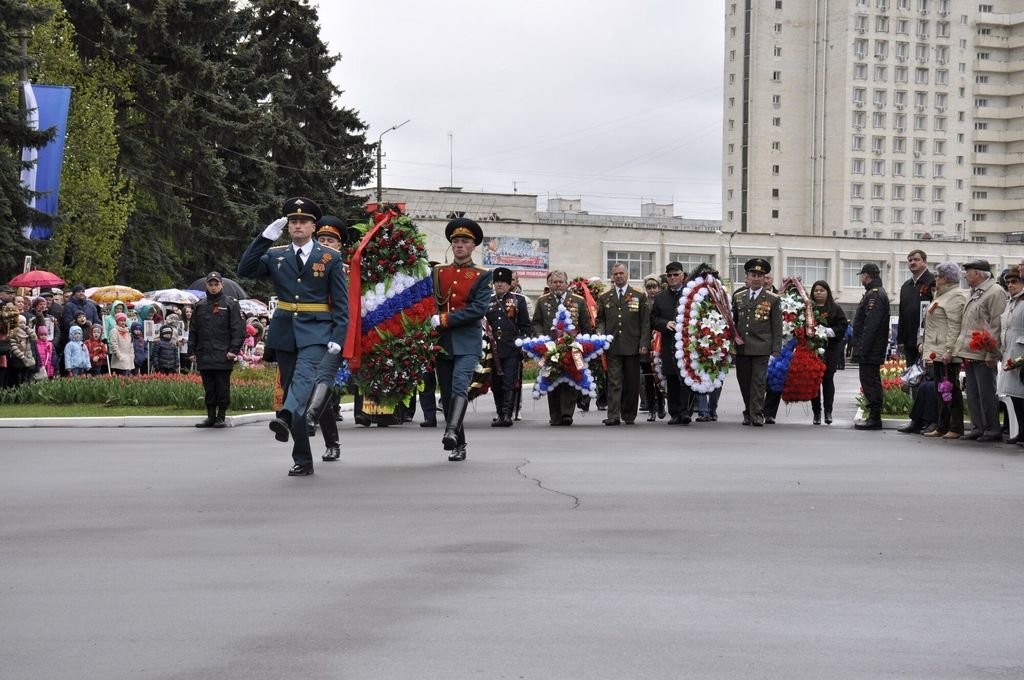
(253, 307)
(107, 294)
(36, 278)
(173, 296)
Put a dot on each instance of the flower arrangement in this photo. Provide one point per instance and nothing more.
(982, 341)
(396, 346)
(896, 400)
(1011, 364)
(704, 336)
(397, 363)
(799, 369)
(563, 356)
(945, 389)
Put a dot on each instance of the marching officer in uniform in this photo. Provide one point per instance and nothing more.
(311, 318)
(331, 232)
(758, 318)
(562, 399)
(462, 291)
(507, 319)
(622, 313)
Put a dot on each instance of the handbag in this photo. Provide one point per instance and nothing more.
(914, 375)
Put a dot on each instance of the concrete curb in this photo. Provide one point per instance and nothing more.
(140, 421)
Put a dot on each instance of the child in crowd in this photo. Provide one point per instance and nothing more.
(248, 345)
(257, 356)
(23, 351)
(47, 356)
(97, 350)
(165, 352)
(119, 338)
(141, 350)
(76, 354)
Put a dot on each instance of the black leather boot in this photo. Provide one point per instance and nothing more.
(317, 403)
(508, 404)
(221, 417)
(454, 414)
(282, 425)
(211, 417)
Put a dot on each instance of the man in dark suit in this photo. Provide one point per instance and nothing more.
(507, 320)
(663, 319)
(915, 290)
(311, 316)
(562, 399)
(758, 318)
(462, 291)
(622, 313)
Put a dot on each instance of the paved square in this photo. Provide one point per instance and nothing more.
(713, 551)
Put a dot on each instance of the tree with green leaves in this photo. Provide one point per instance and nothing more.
(95, 197)
(16, 17)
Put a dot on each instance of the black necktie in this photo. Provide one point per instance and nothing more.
(559, 299)
(298, 260)
(620, 294)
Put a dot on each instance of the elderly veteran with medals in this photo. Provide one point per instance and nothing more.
(463, 292)
(758, 318)
(311, 318)
(622, 313)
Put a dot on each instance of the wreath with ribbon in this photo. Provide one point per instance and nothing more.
(390, 346)
(705, 334)
(799, 369)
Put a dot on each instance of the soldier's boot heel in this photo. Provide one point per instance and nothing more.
(317, 402)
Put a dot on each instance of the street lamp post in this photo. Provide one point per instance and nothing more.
(380, 158)
(728, 264)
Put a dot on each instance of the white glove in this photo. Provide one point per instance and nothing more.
(830, 333)
(333, 348)
(275, 228)
(435, 321)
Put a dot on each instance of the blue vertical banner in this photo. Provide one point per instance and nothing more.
(50, 110)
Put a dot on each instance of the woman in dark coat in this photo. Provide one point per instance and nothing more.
(831, 315)
(217, 333)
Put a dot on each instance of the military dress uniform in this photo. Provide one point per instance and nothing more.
(562, 399)
(508, 319)
(758, 318)
(624, 315)
(462, 292)
(312, 311)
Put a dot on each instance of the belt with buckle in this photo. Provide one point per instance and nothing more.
(304, 306)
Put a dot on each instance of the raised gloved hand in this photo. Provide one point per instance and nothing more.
(333, 348)
(435, 321)
(830, 333)
(275, 228)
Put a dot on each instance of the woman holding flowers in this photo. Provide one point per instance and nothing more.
(1009, 379)
(942, 324)
(833, 322)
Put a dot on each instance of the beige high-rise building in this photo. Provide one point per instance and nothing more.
(878, 119)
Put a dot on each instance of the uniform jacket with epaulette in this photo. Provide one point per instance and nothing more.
(627, 319)
(758, 322)
(871, 325)
(547, 309)
(462, 293)
(321, 283)
(509, 319)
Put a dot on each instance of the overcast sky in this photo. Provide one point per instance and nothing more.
(610, 101)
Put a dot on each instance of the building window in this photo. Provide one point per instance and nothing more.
(776, 76)
(899, 144)
(881, 74)
(639, 264)
(775, 193)
(777, 28)
(776, 122)
(979, 217)
(876, 215)
(858, 142)
(856, 214)
(775, 168)
(777, 51)
(776, 146)
(857, 166)
(878, 120)
(898, 169)
(856, 190)
(808, 269)
(878, 167)
(860, 71)
(918, 193)
(917, 216)
(877, 191)
(851, 271)
(775, 213)
(897, 216)
(691, 261)
(900, 74)
(899, 192)
(938, 194)
(938, 216)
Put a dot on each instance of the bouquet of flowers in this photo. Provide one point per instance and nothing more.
(704, 333)
(799, 369)
(982, 341)
(563, 356)
(391, 346)
(1011, 364)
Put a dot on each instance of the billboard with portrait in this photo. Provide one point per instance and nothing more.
(529, 257)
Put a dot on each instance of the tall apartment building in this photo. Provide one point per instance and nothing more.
(895, 119)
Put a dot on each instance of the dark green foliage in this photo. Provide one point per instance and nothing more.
(15, 17)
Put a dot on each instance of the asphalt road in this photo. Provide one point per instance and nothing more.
(713, 551)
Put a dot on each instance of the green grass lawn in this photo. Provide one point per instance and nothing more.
(89, 411)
